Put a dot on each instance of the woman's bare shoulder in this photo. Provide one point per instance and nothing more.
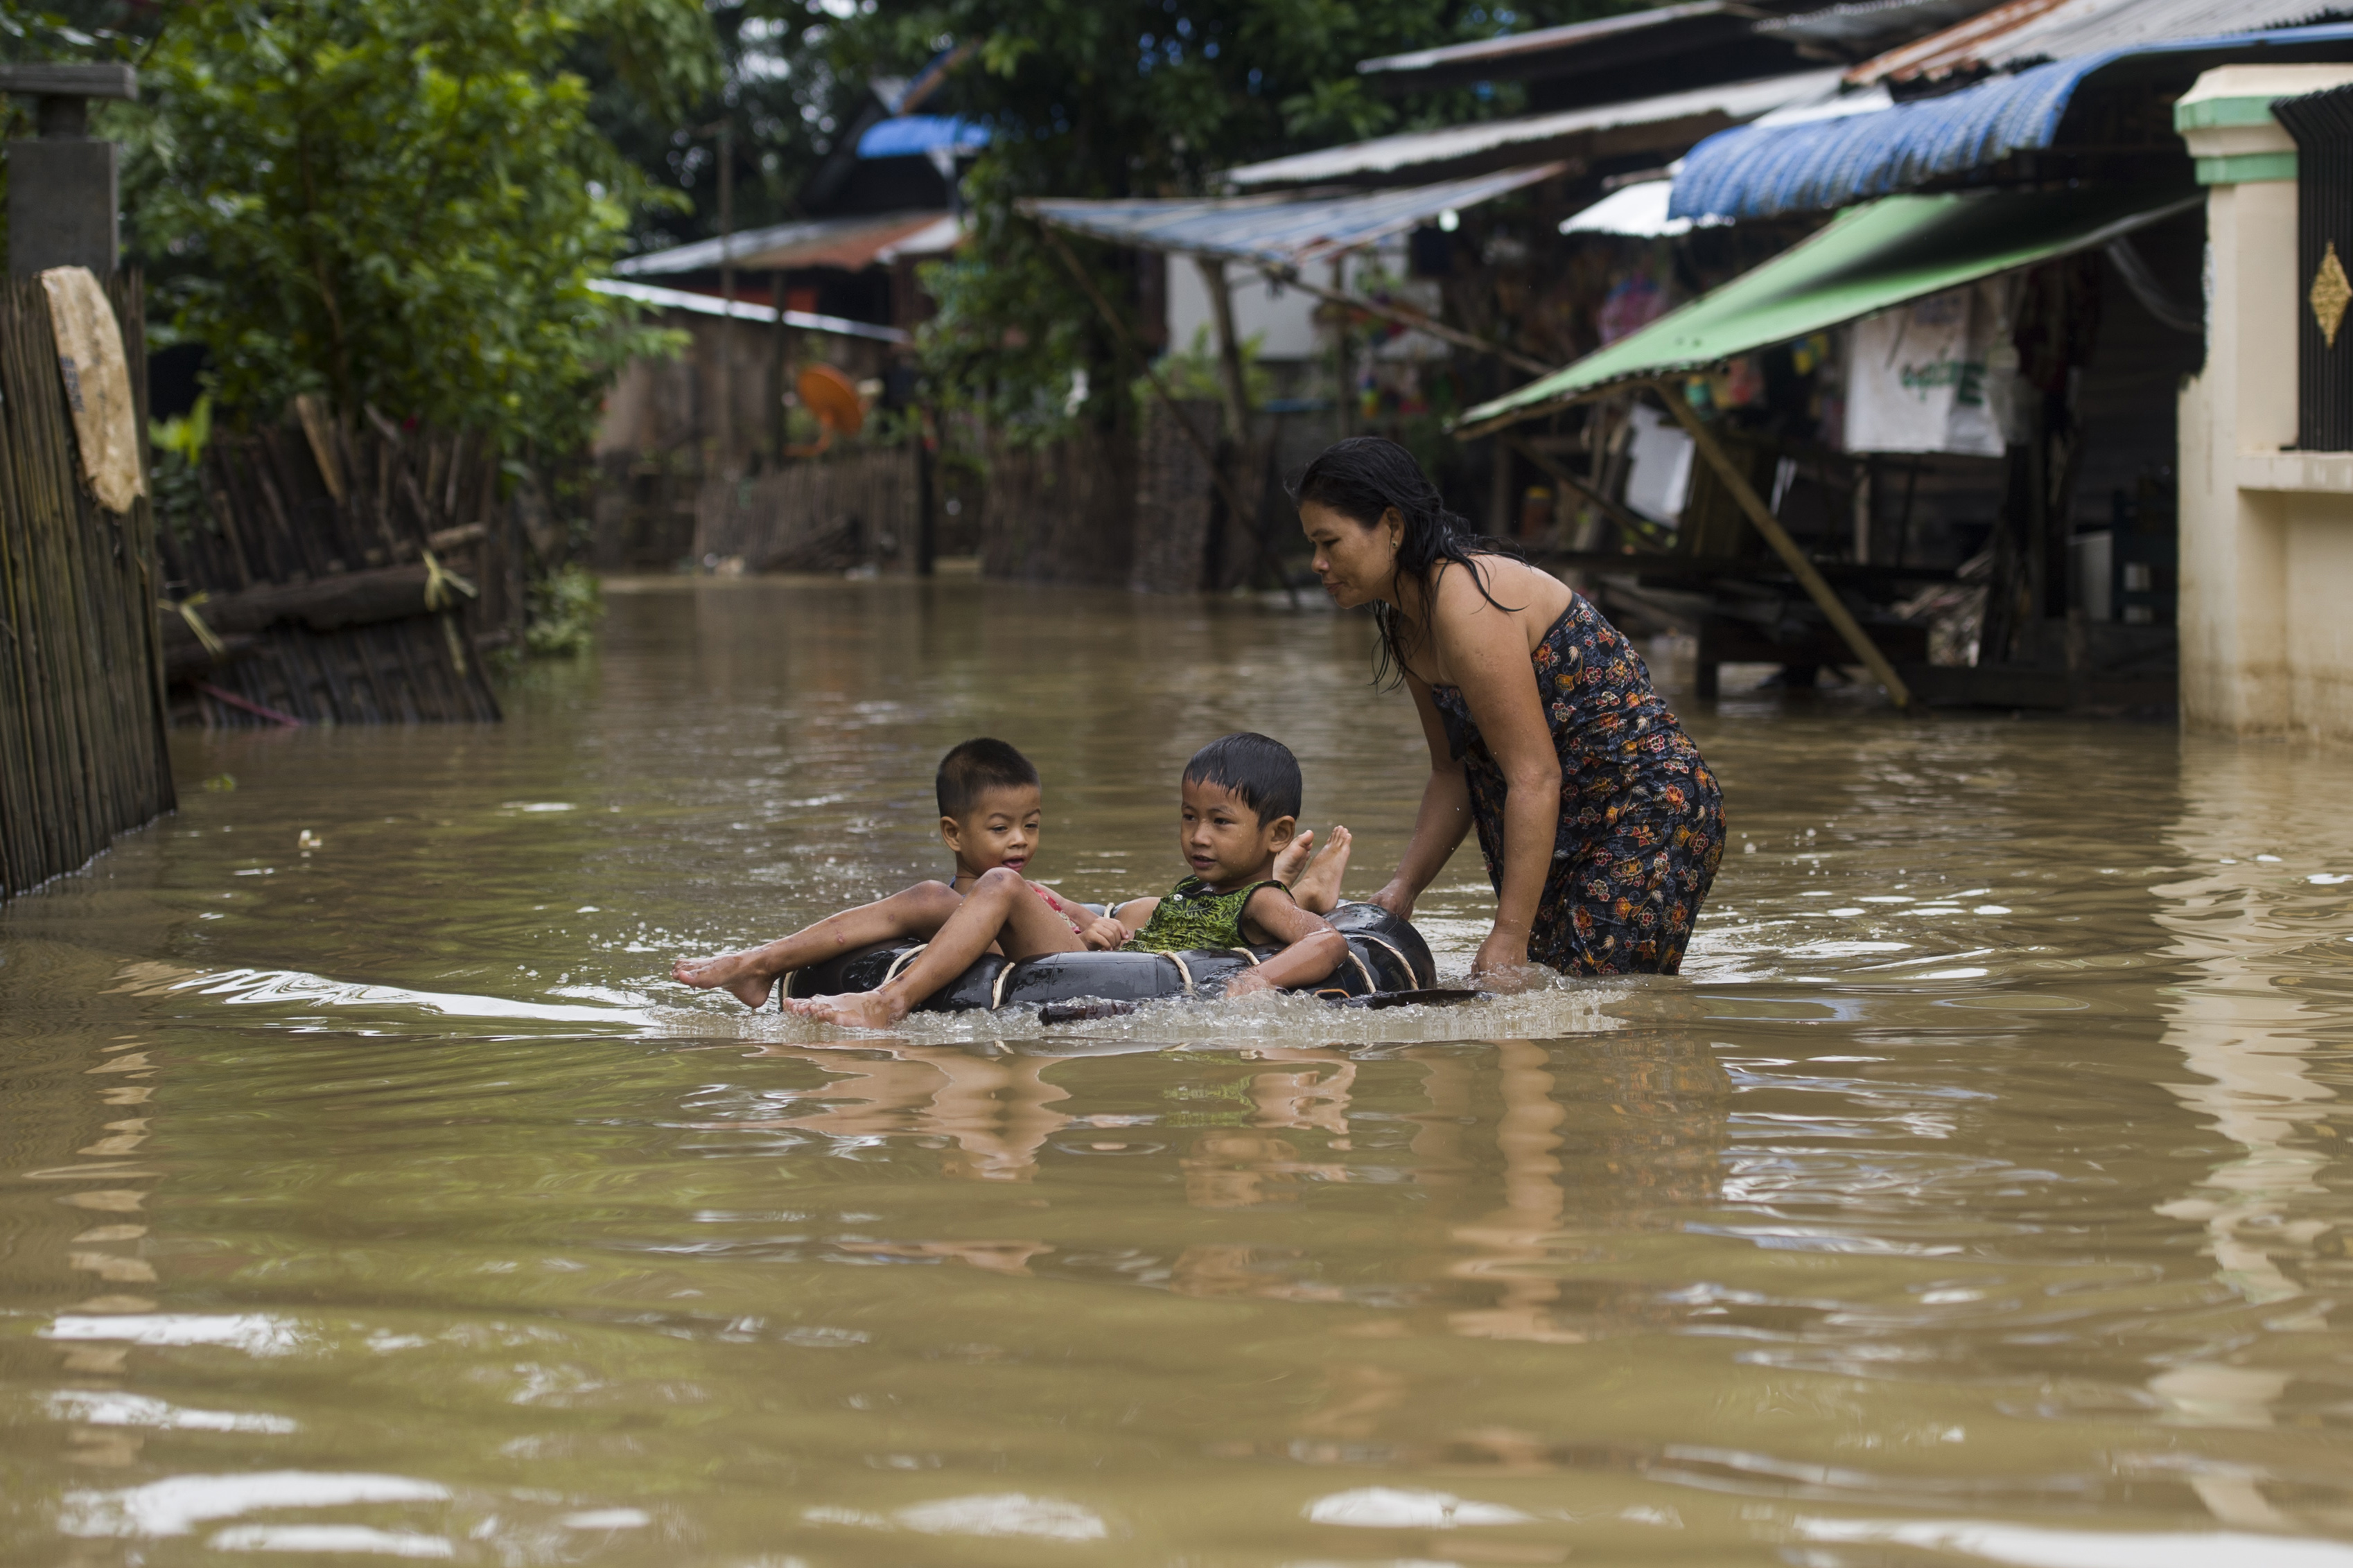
(1513, 586)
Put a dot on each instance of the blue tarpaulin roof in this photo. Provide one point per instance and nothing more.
(1757, 170)
(911, 135)
(1274, 231)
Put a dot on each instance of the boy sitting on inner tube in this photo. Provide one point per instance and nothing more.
(991, 806)
(1238, 810)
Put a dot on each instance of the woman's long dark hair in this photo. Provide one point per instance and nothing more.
(1364, 475)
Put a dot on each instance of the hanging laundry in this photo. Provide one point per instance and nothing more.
(1919, 376)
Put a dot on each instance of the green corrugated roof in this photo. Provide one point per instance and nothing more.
(1868, 259)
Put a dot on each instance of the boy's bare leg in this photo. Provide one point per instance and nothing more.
(750, 975)
(1000, 909)
(1316, 888)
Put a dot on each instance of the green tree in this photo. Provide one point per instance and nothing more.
(1115, 98)
(401, 203)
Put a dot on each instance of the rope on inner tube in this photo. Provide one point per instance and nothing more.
(1182, 970)
(996, 988)
(1370, 984)
(1412, 979)
(1246, 952)
(898, 963)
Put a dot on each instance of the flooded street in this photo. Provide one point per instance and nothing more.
(1977, 1193)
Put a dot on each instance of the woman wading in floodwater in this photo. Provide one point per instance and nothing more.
(1601, 824)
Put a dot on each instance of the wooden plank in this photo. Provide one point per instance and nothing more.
(1833, 608)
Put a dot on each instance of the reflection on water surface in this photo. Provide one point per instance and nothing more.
(1976, 1195)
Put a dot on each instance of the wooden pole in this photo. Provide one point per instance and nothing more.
(1414, 319)
(1230, 385)
(1635, 527)
(1833, 608)
(1344, 389)
(1201, 444)
(726, 293)
(780, 370)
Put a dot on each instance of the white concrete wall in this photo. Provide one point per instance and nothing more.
(1286, 319)
(2267, 532)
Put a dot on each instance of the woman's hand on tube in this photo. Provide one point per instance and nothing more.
(1501, 964)
(1397, 898)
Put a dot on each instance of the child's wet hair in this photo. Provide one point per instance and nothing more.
(976, 767)
(1259, 768)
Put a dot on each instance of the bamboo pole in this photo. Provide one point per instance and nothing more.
(1833, 608)
(1633, 523)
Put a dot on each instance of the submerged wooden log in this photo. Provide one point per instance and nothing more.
(325, 604)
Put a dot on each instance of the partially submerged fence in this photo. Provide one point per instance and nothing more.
(82, 754)
(331, 572)
(857, 507)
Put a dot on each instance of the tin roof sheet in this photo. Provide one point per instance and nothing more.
(847, 242)
(2027, 32)
(1758, 170)
(1499, 56)
(1676, 116)
(1285, 231)
(741, 310)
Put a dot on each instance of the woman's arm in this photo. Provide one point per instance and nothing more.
(1486, 651)
(1443, 819)
(1310, 948)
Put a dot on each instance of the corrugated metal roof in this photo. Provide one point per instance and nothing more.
(2028, 32)
(1274, 231)
(939, 236)
(743, 310)
(1868, 24)
(846, 242)
(1531, 134)
(1940, 53)
(2094, 26)
(1488, 53)
(1757, 170)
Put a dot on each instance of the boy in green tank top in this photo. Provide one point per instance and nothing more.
(991, 811)
(1237, 810)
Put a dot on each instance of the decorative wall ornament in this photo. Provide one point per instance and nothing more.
(2331, 292)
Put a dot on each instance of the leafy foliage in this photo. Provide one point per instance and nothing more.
(401, 203)
(1112, 98)
(565, 608)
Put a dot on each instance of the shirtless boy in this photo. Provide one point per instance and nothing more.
(991, 808)
(1237, 811)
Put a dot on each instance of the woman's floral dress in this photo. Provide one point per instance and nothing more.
(1641, 819)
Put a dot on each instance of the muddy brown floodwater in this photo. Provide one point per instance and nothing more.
(1978, 1193)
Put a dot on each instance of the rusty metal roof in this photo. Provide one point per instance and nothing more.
(2028, 32)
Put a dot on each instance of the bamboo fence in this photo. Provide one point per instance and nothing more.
(857, 507)
(340, 571)
(82, 749)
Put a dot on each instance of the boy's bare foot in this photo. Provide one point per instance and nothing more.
(1292, 860)
(737, 972)
(856, 1010)
(1317, 888)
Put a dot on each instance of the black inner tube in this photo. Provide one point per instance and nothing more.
(1385, 953)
